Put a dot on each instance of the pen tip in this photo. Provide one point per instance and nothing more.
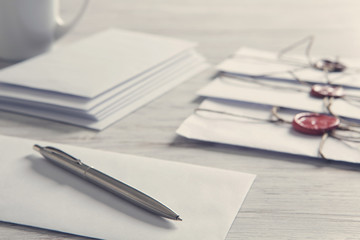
(36, 147)
(178, 218)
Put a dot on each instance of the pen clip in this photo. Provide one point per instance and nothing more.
(63, 154)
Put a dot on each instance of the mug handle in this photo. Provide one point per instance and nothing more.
(61, 27)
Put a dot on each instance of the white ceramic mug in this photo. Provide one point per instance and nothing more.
(30, 27)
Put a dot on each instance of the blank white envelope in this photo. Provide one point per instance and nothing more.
(37, 193)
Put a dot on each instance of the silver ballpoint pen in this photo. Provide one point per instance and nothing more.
(104, 181)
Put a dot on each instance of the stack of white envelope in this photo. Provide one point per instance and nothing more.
(98, 80)
(238, 105)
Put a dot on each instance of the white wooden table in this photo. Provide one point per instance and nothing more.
(292, 197)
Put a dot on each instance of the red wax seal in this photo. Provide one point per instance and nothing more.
(321, 91)
(314, 123)
(330, 66)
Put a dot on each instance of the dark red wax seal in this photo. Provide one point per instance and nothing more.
(321, 91)
(330, 66)
(314, 123)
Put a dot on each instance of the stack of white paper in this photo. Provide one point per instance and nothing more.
(98, 80)
(35, 192)
(239, 102)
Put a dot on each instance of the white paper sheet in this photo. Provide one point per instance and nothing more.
(137, 100)
(96, 64)
(118, 96)
(260, 134)
(279, 93)
(37, 193)
(41, 98)
(98, 80)
(253, 62)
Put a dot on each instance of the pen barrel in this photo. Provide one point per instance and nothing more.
(111, 184)
(129, 193)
